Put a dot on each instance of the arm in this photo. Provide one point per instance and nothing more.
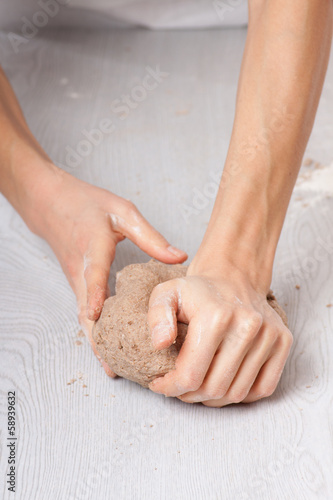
(82, 223)
(243, 346)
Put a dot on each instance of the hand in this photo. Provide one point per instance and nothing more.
(83, 224)
(236, 345)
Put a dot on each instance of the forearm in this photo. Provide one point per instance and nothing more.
(282, 74)
(23, 163)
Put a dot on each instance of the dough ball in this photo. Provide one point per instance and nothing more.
(122, 335)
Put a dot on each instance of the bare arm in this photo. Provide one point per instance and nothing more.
(236, 347)
(82, 223)
(21, 157)
(280, 84)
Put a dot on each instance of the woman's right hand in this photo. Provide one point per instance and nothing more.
(83, 224)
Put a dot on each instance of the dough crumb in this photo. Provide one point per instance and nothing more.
(307, 162)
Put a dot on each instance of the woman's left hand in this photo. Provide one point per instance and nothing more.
(236, 345)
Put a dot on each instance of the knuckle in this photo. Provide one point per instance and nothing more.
(157, 295)
(288, 339)
(190, 381)
(237, 395)
(212, 404)
(217, 318)
(255, 321)
(267, 389)
(251, 325)
(215, 392)
(159, 288)
(130, 207)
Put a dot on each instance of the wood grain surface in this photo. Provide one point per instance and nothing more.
(81, 435)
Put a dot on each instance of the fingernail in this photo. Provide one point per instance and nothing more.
(175, 251)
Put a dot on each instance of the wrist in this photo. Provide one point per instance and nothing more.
(241, 237)
(40, 196)
(223, 265)
(30, 184)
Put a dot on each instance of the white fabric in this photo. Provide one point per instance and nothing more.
(154, 14)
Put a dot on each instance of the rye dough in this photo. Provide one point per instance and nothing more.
(122, 335)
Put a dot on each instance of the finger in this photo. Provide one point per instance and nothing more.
(228, 360)
(86, 324)
(245, 376)
(162, 314)
(268, 379)
(97, 263)
(249, 369)
(134, 226)
(270, 373)
(194, 358)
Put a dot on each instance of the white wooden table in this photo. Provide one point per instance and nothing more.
(82, 435)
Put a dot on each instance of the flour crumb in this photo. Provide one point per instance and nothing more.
(307, 162)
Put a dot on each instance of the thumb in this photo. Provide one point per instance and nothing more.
(135, 227)
(97, 263)
(164, 305)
